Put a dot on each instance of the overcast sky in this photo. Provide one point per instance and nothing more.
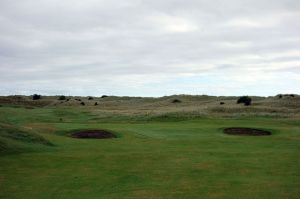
(149, 48)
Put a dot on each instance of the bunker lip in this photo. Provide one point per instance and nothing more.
(93, 134)
(246, 131)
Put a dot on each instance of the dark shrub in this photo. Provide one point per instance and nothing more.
(176, 101)
(248, 103)
(222, 103)
(36, 97)
(82, 103)
(78, 100)
(62, 97)
(104, 96)
(280, 96)
(96, 103)
(67, 100)
(292, 95)
(244, 99)
(90, 98)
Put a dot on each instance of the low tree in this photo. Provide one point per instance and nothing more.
(90, 98)
(62, 97)
(176, 101)
(36, 97)
(245, 100)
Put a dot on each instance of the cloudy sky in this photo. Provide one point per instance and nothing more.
(149, 47)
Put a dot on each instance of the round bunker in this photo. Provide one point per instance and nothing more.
(93, 134)
(246, 131)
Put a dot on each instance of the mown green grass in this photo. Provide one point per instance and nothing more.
(152, 158)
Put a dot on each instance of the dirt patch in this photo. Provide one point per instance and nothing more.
(246, 131)
(93, 134)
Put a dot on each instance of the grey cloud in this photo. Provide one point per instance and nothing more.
(43, 42)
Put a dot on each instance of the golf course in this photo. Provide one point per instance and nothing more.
(154, 147)
(140, 99)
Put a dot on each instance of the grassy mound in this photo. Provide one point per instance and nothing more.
(16, 140)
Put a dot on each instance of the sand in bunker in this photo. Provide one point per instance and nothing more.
(246, 131)
(95, 134)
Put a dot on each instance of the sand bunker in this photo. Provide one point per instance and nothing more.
(246, 131)
(93, 134)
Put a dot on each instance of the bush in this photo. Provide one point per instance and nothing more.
(62, 97)
(244, 99)
(176, 101)
(222, 103)
(82, 103)
(90, 98)
(96, 103)
(104, 96)
(36, 97)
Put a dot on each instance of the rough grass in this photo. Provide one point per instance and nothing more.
(138, 106)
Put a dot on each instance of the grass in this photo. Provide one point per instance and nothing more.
(163, 155)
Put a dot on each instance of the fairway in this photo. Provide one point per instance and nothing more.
(190, 158)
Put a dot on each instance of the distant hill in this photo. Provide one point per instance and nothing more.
(280, 105)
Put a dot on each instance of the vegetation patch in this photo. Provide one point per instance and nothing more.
(96, 134)
(246, 131)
